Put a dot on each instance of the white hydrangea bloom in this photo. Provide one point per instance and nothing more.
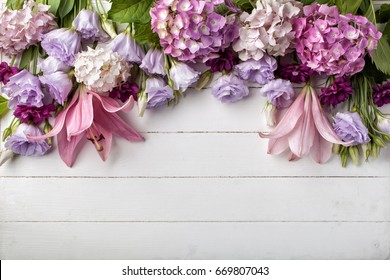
(101, 70)
(268, 29)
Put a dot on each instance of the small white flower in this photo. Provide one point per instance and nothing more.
(101, 70)
(384, 123)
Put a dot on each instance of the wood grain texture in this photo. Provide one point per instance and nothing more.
(200, 187)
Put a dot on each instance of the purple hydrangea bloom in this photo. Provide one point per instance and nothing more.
(124, 91)
(230, 88)
(58, 85)
(295, 73)
(226, 60)
(183, 76)
(154, 62)
(88, 24)
(51, 65)
(32, 114)
(6, 72)
(279, 93)
(24, 88)
(127, 47)
(349, 127)
(62, 44)
(159, 93)
(19, 143)
(336, 93)
(382, 94)
(258, 71)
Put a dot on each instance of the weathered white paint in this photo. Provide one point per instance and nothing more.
(200, 187)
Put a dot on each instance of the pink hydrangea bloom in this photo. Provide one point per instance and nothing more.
(334, 44)
(20, 29)
(191, 30)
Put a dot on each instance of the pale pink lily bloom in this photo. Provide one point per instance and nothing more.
(304, 130)
(93, 117)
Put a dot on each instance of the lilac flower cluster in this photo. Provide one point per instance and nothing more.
(191, 30)
(337, 93)
(382, 94)
(334, 44)
(20, 29)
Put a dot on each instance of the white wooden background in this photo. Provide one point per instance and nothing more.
(200, 187)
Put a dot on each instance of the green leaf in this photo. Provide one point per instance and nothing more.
(381, 56)
(54, 5)
(143, 34)
(26, 58)
(14, 4)
(386, 31)
(350, 6)
(370, 13)
(65, 8)
(383, 14)
(245, 5)
(3, 106)
(136, 11)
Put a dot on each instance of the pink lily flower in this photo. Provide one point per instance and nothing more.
(304, 129)
(90, 116)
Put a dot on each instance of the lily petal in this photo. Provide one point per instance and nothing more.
(117, 126)
(322, 123)
(289, 120)
(69, 150)
(277, 146)
(80, 116)
(112, 106)
(321, 150)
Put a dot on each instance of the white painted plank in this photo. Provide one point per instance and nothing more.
(195, 241)
(195, 199)
(205, 154)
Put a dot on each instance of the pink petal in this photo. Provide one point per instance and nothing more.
(302, 137)
(112, 106)
(106, 142)
(58, 124)
(80, 116)
(293, 157)
(113, 123)
(289, 120)
(321, 150)
(322, 123)
(277, 146)
(69, 150)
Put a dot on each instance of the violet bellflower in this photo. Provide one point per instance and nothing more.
(127, 47)
(93, 117)
(88, 24)
(32, 114)
(349, 127)
(6, 72)
(154, 62)
(51, 65)
(58, 85)
(158, 91)
(62, 44)
(20, 144)
(183, 76)
(24, 88)
(304, 130)
(258, 71)
(230, 88)
(382, 94)
(279, 93)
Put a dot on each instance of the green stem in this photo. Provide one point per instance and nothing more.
(12, 61)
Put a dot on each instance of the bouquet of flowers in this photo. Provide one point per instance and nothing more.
(73, 65)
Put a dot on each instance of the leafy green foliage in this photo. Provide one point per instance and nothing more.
(143, 34)
(245, 5)
(54, 5)
(370, 12)
(131, 11)
(14, 4)
(26, 58)
(65, 8)
(3, 106)
(383, 14)
(381, 56)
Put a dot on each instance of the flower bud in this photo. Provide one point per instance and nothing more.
(336, 149)
(142, 104)
(378, 141)
(354, 154)
(46, 129)
(375, 150)
(270, 114)
(7, 132)
(5, 155)
(204, 80)
(108, 26)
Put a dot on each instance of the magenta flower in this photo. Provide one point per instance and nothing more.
(32, 114)
(93, 117)
(336, 93)
(382, 94)
(124, 91)
(295, 73)
(6, 72)
(225, 61)
(304, 130)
